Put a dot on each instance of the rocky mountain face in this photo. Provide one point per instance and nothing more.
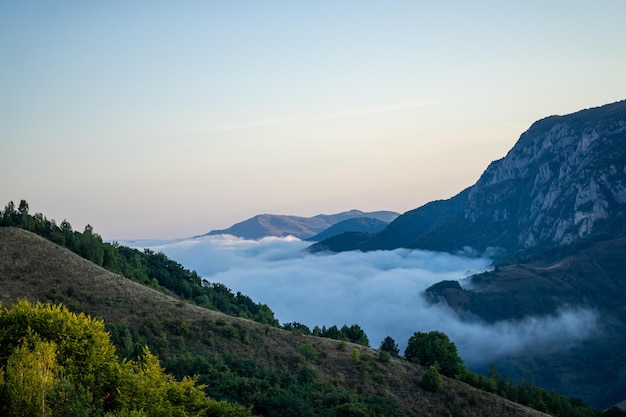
(564, 180)
(265, 225)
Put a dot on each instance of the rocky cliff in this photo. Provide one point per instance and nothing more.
(563, 181)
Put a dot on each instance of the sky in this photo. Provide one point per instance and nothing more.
(154, 119)
(381, 291)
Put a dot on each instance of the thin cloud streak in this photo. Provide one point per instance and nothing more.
(380, 291)
(257, 124)
(385, 109)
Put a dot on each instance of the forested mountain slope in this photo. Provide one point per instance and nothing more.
(591, 278)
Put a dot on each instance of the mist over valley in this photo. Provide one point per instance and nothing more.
(382, 291)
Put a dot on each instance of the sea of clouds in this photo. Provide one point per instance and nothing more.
(380, 291)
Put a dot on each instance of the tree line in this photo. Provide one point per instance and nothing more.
(433, 350)
(147, 267)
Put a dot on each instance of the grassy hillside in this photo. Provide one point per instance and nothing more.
(276, 371)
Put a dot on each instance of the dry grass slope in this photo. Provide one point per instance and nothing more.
(35, 269)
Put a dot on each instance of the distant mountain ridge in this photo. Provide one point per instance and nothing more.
(564, 180)
(357, 224)
(264, 225)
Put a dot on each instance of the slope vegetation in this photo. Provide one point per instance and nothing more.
(238, 359)
(591, 278)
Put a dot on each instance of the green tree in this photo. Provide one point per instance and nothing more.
(82, 346)
(55, 361)
(435, 348)
(9, 215)
(308, 351)
(355, 334)
(389, 345)
(431, 380)
(30, 372)
(24, 219)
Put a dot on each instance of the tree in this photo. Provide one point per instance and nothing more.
(55, 362)
(9, 216)
(435, 348)
(82, 347)
(389, 345)
(355, 334)
(431, 380)
(30, 372)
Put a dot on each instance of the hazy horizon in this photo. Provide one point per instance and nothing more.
(162, 120)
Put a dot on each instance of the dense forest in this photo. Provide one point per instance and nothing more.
(211, 379)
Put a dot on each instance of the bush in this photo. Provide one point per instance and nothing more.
(435, 348)
(308, 351)
(431, 380)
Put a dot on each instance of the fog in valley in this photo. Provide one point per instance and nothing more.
(380, 291)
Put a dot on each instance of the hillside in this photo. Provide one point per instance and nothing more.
(564, 180)
(226, 349)
(265, 225)
(357, 224)
(590, 278)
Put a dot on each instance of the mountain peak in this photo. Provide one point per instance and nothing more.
(563, 181)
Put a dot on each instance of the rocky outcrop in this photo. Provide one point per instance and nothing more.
(564, 180)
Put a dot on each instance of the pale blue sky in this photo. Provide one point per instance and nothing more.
(169, 119)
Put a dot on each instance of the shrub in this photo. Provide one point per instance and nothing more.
(431, 380)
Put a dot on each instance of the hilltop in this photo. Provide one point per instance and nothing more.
(227, 349)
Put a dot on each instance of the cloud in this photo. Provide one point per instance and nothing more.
(385, 109)
(380, 291)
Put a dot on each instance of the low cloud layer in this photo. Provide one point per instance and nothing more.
(380, 291)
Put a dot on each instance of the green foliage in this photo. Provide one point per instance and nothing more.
(390, 346)
(356, 357)
(530, 395)
(29, 376)
(354, 334)
(431, 380)
(55, 362)
(275, 392)
(147, 267)
(82, 347)
(308, 351)
(297, 328)
(435, 348)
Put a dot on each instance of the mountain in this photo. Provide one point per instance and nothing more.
(357, 224)
(563, 181)
(277, 371)
(553, 214)
(591, 279)
(265, 225)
